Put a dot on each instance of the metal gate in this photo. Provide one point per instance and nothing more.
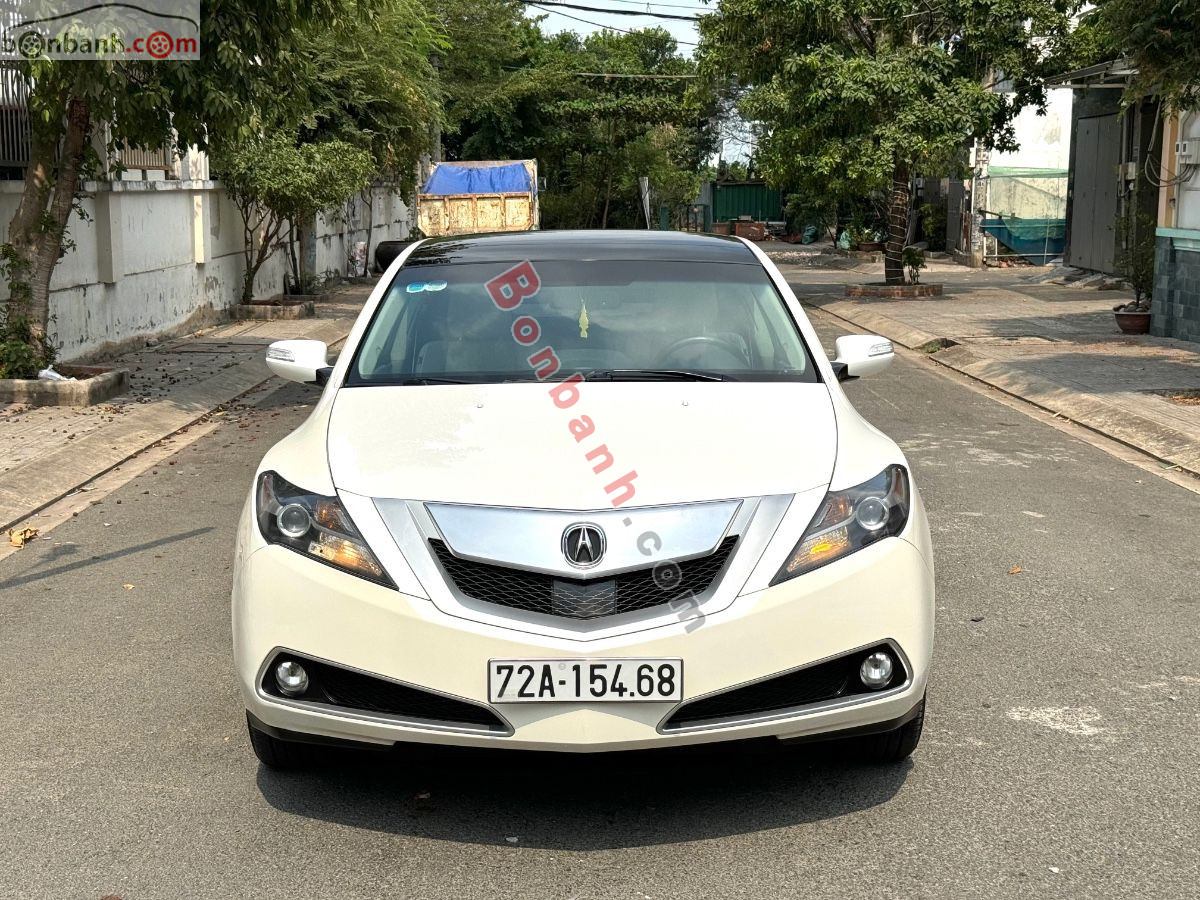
(1092, 237)
(14, 119)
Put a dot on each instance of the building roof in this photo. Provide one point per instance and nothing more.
(1112, 74)
(512, 247)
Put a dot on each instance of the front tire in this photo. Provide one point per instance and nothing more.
(894, 746)
(282, 756)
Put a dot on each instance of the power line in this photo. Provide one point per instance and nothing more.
(611, 12)
(702, 8)
(645, 75)
(632, 75)
(597, 24)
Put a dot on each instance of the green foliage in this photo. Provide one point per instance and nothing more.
(274, 182)
(526, 96)
(22, 352)
(247, 49)
(366, 81)
(1161, 37)
(852, 93)
(914, 262)
(306, 284)
(1136, 260)
(933, 224)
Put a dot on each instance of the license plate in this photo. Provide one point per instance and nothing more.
(584, 680)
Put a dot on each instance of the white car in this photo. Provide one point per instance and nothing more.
(582, 491)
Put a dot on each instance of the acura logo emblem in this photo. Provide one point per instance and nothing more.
(583, 545)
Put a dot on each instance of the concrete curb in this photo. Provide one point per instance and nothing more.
(95, 384)
(305, 309)
(1175, 448)
(49, 478)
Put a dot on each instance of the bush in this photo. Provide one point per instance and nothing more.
(21, 354)
(914, 262)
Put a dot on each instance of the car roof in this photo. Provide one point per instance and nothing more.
(511, 247)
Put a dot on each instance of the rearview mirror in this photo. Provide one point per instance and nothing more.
(302, 361)
(861, 354)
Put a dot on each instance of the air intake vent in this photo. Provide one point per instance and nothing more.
(826, 681)
(349, 690)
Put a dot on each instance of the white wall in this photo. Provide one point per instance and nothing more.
(157, 257)
(1187, 202)
(336, 234)
(1045, 140)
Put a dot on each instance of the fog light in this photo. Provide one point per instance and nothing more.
(292, 680)
(876, 670)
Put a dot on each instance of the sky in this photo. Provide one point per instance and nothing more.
(684, 32)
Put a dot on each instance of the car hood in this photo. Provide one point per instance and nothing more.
(511, 445)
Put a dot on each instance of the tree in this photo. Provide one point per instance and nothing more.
(142, 103)
(367, 81)
(857, 96)
(366, 84)
(275, 184)
(1161, 37)
(596, 112)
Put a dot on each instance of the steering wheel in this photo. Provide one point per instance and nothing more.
(707, 341)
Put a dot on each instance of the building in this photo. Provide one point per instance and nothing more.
(1175, 308)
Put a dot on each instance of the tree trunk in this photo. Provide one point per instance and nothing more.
(607, 198)
(295, 236)
(40, 223)
(248, 253)
(369, 197)
(899, 201)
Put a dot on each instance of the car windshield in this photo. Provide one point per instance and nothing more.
(608, 319)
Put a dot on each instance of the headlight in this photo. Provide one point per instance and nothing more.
(850, 520)
(315, 526)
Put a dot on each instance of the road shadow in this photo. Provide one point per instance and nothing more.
(583, 801)
(63, 554)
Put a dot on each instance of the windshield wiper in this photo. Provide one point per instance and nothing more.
(653, 375)
(433, 379)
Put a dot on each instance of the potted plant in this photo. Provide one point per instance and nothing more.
(1137, 262)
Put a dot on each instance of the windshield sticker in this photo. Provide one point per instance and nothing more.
(415, 287)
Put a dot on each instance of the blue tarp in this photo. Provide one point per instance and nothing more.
(1038, 240)
(468, 178)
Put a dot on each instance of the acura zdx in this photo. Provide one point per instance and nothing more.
(582, 491)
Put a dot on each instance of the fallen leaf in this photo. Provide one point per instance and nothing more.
(19, 537)
(1015, 570)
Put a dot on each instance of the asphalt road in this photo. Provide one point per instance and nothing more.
(1059, 757)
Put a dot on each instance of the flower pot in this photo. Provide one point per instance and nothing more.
(870, 246)
(1133, 322)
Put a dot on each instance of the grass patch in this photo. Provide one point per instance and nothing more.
(1182, 398)
(935, 345)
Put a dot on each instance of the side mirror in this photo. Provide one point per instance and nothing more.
(303, 361)
(861, 354)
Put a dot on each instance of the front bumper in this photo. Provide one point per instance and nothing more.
(883, 593)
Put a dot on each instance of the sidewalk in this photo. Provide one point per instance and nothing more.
(48, 452)
(1055, 346)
